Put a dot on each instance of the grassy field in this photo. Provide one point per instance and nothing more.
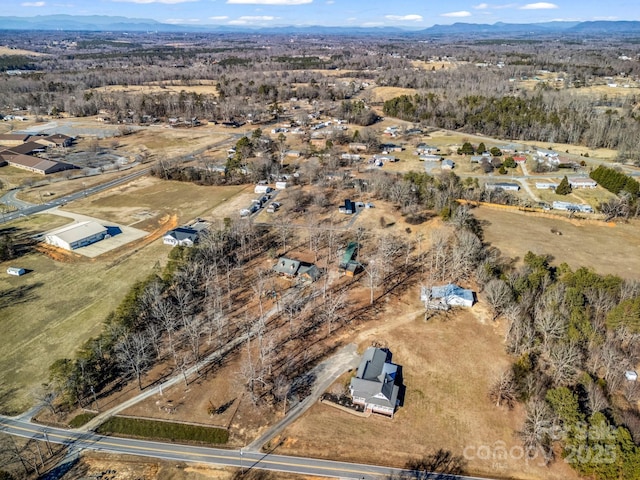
(447, 377)
(581, 244)
(6, 51)
(150, 197)
(49, 312)
(382, 94)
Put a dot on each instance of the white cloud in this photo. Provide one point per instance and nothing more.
(404, 18)
(167, 2)
(460, 14)
(270, 2)
(539, 6)
(372, 24)
(33, 4)
(251, 19)
(482, 6)
(219, 17)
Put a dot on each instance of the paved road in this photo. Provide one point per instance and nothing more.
(10, 200)
(8, 217)
(205, 455)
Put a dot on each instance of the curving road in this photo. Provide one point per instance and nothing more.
(30, 210)
(242, 459)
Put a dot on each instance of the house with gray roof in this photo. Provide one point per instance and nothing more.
(377, 383)
(181, 236)
(290, 268)
(449, 295)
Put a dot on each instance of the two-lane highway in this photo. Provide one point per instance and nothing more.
(8, 217)
(206, 455)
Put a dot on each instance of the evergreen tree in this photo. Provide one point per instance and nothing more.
(564, 188)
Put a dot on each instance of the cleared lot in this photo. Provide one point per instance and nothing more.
(580, 243)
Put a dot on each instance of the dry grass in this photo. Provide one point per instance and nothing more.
(158, 89)
(49, 312)
(447, 373)
(7, 51)
(382, 94)
(581, 244)
(151, 198)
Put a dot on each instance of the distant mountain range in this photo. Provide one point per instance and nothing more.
(102, 23)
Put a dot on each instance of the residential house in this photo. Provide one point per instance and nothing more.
(287, 267)
(348, 264)
(506, 186)
(291, 268)
(447, 295)
(572, 207)
(546, 185)
(358, 147)
(520, 159)
(447, 164)
(582, 182)
(376, 385)
(181, 236)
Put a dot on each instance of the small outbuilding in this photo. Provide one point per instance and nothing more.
(16, 271)
(631, 375)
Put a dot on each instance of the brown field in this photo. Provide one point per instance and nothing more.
(49, 312)
(447, 377)
(6, 51)
(149, 198)
(382, 94)
(151, 89)
(433, 65)
(581, 244)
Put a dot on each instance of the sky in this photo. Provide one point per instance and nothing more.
(362, 13)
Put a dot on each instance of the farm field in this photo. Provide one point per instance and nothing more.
(150, 198)
(52, 310)
(581, 244)
(49, 312)
(447, 377)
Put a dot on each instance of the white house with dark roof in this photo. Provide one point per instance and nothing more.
(377, 384)
(181, 236)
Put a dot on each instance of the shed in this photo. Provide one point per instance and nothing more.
(281, 185)
(16, 271)
(631, 375)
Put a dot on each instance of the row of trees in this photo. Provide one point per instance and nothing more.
(545, 116)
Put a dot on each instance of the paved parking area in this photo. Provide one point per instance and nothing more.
(120, 234)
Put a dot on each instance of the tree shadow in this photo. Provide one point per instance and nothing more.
(19, 294)
(441, 465)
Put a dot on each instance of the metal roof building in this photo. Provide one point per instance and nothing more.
(76, 235)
